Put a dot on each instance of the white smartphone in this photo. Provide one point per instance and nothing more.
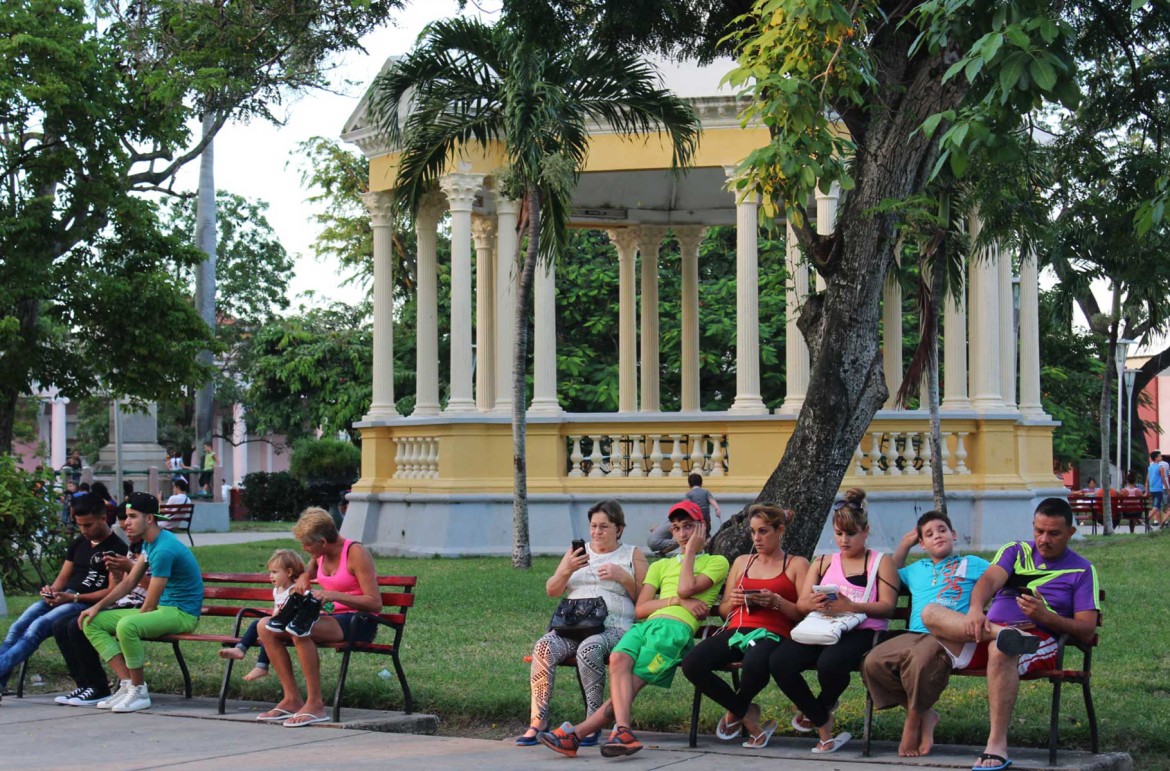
(829, 590)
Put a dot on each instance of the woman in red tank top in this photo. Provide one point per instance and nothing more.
(759, 603)
(345, 572)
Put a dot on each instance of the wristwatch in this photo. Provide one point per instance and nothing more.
(76, 597)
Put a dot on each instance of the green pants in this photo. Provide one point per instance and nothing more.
(122, 631)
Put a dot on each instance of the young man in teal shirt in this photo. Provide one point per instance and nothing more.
(174, 600)
(677, 592)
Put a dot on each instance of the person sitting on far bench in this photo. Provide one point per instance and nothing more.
(677, 592)
(1040, 586)
(912, 670)
(174, 602)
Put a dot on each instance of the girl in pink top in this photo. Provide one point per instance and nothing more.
(345, 571)
(852, 570)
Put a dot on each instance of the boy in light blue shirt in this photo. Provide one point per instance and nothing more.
(912, 670)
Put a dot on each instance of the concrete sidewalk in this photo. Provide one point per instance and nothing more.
(221, 539)
(176, 732)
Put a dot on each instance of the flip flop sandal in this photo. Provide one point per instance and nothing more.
(280, 716)
(1003, 762)
(728, 731)
(802, 723)
(832, 745)
(312, 719)
(760, 740)
(1014, 643)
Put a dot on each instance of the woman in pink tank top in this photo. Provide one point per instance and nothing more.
(866, 583)
(348, 584)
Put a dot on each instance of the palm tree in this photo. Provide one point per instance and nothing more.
(536, 93)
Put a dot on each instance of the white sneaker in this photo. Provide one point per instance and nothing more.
(115, 697)
(137, 699)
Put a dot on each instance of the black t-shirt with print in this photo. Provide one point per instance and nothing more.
(89, 565)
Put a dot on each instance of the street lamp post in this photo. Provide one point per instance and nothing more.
(1130, 377)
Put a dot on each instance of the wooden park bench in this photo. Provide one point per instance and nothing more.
(180, 516)
(1087, 510)
(1057, 676)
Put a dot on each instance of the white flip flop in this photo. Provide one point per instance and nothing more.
(280, 716)
(313, 719)
(836, 743)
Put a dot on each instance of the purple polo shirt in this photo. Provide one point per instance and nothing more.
(1067, 584)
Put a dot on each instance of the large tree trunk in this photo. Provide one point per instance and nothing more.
(521, 549)
(205, 235)
(937, 287)
(847, 385)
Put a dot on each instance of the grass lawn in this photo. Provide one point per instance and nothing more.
(251, 526)
(476, 619)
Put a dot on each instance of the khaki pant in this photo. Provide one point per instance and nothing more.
(910, 670)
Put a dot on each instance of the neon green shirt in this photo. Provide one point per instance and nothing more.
(664, 574)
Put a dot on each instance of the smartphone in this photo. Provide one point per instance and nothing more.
(830, 590)
(578, 545)
(1026, 590)
(746, 592)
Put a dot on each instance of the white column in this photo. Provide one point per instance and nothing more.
(544, 363)
(1007, 332)
(651, 242)
(1030, 405)
(955, 352)
(892, 337)
(625, 241)
(426, 388)
(239, 444)
(507, 245)
(379, 204)
(747, 307)
(796, 365)
(827, 218)
(57, 432)
(984, 325)
(460, 189)
(689, 238)
(483, 230)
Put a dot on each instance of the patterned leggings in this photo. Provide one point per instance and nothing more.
(552, 649)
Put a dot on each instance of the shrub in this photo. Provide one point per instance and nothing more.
(32, 538)
(316, 460)
(278, 496)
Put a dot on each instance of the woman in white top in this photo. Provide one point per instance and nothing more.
(604, 568)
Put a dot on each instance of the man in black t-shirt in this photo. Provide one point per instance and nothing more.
(82, 580)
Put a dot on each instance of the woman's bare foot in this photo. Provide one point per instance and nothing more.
(231, 653)
(256, 673)
(929, 723)
(911, 735)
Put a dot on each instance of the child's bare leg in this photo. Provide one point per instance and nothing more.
(231, 653)
(256, 673)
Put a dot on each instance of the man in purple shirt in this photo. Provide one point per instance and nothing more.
(1038, 589)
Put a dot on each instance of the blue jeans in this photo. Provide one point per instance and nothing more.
(27, 633)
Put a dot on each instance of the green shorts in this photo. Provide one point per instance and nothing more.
(657, 646)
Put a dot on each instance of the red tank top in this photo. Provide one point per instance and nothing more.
(342, 580)
(771, 619)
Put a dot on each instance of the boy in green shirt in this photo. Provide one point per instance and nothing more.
(677, 592)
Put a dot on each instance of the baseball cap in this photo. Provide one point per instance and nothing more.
(690, 508)
(145, 503)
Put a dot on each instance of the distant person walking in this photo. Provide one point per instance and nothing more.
(1156, 483)
(702, 498)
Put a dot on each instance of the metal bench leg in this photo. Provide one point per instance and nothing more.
(868, 729)
(407, 698)
(1054, 725)
(223, 688)
(20, 682)
(340, 686)
(183, 668)
(695, 704)
(1091, 713)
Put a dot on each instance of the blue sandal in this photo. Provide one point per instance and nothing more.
(1003, 762)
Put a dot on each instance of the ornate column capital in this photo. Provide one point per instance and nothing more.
(380, 205)
(651, 238)
(689, 237)
(625, 240)
(430, 209)
(507, 206)
(483, 231)
(460, 188)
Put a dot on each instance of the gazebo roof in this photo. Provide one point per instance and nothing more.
(624, 182)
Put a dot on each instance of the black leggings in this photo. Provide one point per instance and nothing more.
(700, 663)
(85, 666)
(834, 665)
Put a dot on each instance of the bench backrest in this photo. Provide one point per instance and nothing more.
(178, 517)
(232, 591)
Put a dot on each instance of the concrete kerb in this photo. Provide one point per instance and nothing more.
(157, 738)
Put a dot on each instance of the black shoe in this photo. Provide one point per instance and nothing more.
(287, 613)
(306, 618)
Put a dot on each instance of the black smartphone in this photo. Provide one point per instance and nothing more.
(1026, 590)
(578, 545)
(751, 591)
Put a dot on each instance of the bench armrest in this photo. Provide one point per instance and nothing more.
(249, 613)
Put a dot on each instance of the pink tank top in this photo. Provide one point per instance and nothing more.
(342, 580)
(835, 575)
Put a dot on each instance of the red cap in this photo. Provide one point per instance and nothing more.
(690, 508)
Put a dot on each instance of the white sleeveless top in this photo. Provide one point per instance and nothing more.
(586, 583)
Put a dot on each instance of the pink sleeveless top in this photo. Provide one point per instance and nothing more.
(342, 580)
(835, 575)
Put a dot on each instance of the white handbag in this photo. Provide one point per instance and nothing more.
(821, 628)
